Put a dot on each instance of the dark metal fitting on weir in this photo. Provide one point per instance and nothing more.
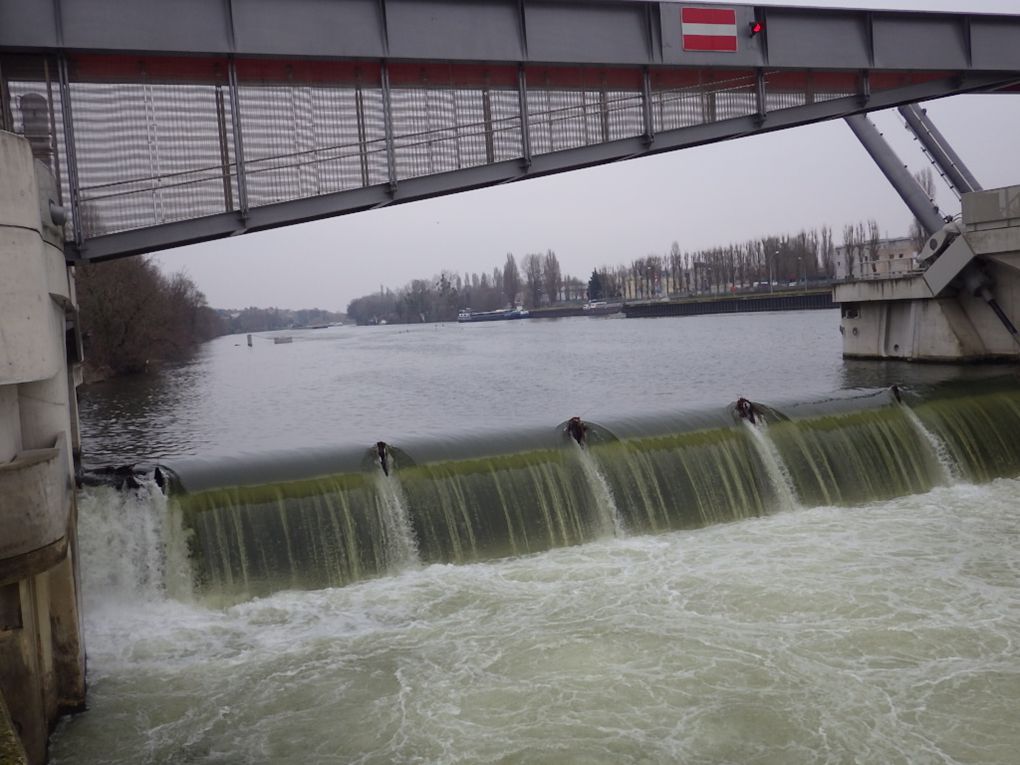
(577, 430)
(746, 410)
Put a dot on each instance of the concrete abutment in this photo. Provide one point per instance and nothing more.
(945, 317)
(42, 657)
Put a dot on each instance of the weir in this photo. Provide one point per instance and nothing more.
(463, 503)
(163, 128)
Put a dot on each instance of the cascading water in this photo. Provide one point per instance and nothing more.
(779, 476)
(950, 471)
(885, 634)
(400, 545)
(133, 544)
(981, 432)
(609, 515)
(848, 457)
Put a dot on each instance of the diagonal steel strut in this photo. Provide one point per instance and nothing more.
(926, 212)
(939, 149)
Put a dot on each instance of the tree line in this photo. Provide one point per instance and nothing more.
(253, 319)
(809, 256)
(862, 241)
(536, 279)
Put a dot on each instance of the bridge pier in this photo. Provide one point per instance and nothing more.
(42, 658)
(943, 313)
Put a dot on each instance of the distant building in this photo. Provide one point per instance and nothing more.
(893, 257)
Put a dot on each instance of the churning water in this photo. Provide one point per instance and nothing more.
(696, 592)
(886, 632)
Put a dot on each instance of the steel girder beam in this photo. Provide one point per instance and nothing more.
(329, 205)
(931, 138)
(896, 173)
(603, 32)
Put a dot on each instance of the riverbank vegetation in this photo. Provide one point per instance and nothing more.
(253, 319)
(536, 280)
(134, 316)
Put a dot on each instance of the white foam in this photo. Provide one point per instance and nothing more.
(779, 475)
(609, 515)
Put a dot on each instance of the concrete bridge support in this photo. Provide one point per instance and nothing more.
(963, 307)
(42, 659)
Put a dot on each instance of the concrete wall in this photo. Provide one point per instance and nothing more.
(959, 328)
(42, 661)
(900, 318)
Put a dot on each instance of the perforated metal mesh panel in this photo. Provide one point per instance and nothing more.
(448, 118)
(143, 141)
(572, 107)
(303, 141)
(686, 97)
(787, 90)
(310, 128)
(148, 151)
(151, 154)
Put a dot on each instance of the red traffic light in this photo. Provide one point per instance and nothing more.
(755, 27)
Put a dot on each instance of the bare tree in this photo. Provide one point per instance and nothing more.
(653, 275)
(676, 267)
(532, 267)
(849, 248)
(511, 279)
(623, 284)
(551, 276)
(132, 314)
(812, 254)
(926, 180)
(497, 280)
(861, 241)
(828, 252)
(874, 244)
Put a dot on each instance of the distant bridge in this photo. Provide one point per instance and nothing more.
(169, 122)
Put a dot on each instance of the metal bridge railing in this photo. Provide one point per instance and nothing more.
(141, 141)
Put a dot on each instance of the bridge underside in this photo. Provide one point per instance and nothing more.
(154, 150)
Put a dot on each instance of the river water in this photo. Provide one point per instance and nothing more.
(363, 384)
(861, 630)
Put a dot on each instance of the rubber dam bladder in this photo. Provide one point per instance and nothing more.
(250, 526)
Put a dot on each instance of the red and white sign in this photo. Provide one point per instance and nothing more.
(709, 29)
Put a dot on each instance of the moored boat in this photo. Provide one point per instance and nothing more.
(601, 308)
(517, 312)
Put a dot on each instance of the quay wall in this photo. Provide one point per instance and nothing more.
(788, 301)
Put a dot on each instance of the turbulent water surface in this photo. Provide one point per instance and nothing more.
(815, 625)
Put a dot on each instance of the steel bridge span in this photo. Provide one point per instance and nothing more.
(168, 122)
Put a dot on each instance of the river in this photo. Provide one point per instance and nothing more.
(840, 585)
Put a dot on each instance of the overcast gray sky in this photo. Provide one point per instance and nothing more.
(731, 191)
